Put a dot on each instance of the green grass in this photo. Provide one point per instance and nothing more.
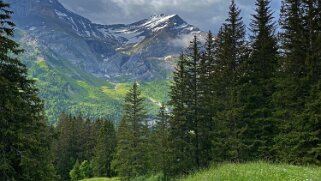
(101, 179)
(257, 172)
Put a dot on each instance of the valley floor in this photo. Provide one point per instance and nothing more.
(259, 171)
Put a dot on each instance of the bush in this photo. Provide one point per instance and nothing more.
(75, 172)
(82, 171)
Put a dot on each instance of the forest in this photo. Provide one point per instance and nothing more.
(246, 94)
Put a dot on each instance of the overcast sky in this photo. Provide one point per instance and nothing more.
(205, 14)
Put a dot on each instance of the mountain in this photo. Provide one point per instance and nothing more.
(137, 51)
(85, 68)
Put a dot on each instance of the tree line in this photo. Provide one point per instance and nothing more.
(234, 98)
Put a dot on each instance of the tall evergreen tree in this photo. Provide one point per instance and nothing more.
(65, 149)
(309, 120)
(181, 152)
(131, 159)
(104, 150)
(74, 142)
(160, 147)
(192, 94)
(230, 52)
(258, 83)
(205, 92)
(296, 83)
(25, 138)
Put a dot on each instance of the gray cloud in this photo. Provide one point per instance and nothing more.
(205, 14)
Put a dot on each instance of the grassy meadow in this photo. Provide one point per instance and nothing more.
(258, 171)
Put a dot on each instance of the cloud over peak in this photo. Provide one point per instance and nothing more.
(206, 14)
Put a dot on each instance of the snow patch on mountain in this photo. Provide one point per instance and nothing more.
(158, 22)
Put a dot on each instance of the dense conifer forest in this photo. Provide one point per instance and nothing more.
(246, 94)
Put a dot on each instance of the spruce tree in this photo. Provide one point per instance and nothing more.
(71, 143)
(25, 138)
(296, 83)
(206, 110)
(309, 120)
(230, 53)
(192, 94)
(104, 150)
(131, 158)
(181, 150)
(159, 143)
(258, 83)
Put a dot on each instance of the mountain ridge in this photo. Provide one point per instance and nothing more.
(83, 68)
(135, 51)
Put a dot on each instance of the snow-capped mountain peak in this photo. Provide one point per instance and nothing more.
(158, 22)
(136, 51)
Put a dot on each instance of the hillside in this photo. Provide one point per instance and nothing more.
(244, 172)
(142, 50)
(86, 68)
(66, 88)
(257, 172)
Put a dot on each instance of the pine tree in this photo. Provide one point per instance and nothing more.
(309, 119)
(131, 159)
(104, 150)
(159, 141)
(230, 53)
(181, 152)
(71, 143)
(258, 83)
(25, 138)
(297, 82)
(90, 135)
(206, 73)
(192, 94)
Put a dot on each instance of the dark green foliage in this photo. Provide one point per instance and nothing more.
(104, 150)
(131, 158)
(230, 53)
(76, 140)
(205, 91)
(298, 140)
(191, 121)
(258, 84)
(25, 138)
(181, 148)
(160, 144)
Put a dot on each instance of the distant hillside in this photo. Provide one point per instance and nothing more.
(143, 50)
(85, 68)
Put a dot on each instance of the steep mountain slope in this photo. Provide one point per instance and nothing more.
(113, 52)
(86, 68)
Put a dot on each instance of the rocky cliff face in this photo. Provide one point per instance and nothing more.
(142, 50)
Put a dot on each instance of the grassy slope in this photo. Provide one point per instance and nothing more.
(258, 172)
(249, 172)
(102, 179)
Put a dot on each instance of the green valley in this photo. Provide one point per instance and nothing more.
(67, 88)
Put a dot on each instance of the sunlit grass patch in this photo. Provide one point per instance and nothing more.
(259, 171)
